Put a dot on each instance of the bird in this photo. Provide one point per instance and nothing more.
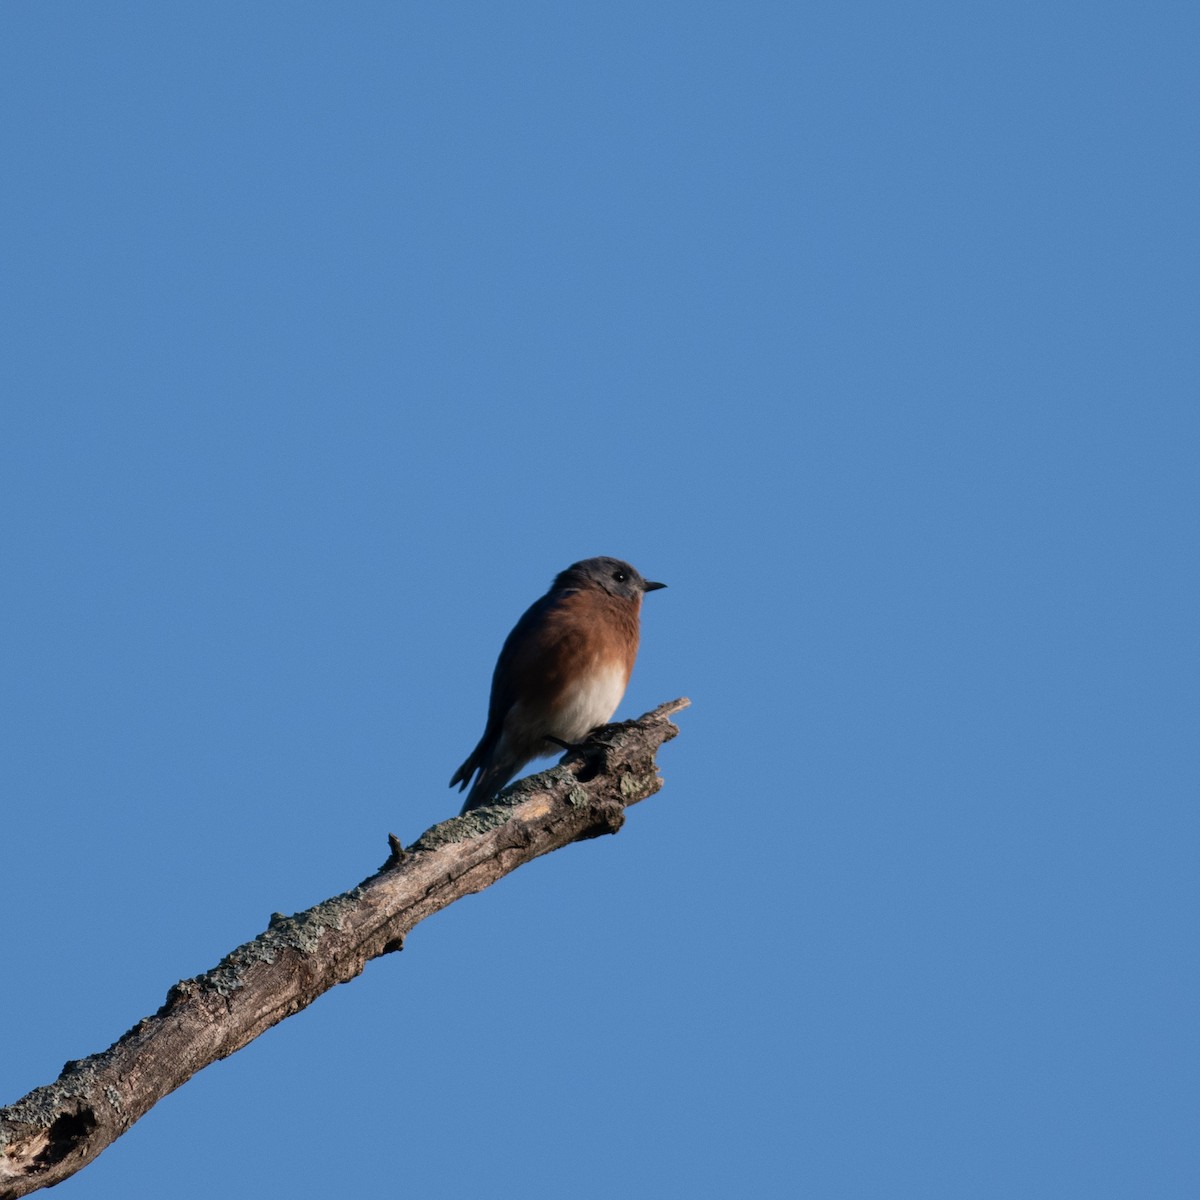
(561, 672)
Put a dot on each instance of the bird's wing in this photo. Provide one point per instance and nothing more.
(523, 654)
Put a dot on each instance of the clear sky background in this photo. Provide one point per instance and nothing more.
(332, 332)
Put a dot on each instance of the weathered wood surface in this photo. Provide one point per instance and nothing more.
(57, 1129)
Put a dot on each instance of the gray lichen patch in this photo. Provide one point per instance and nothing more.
(463, 828)
(633, 785)
(44, 1105)
(301, 932)
(491, 816)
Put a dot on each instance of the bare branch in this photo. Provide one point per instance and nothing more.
(56, 1129)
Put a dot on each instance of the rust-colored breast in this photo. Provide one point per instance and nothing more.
(587, 631)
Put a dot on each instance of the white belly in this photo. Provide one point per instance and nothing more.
(589, 704)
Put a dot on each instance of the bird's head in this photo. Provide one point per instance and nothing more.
(611, 575)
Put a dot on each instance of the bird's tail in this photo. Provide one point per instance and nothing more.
(463, 775)
(490, 780)
(495, 767)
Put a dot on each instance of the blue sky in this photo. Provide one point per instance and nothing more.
(334, 332)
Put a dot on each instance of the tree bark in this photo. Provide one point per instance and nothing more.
(57, 1129)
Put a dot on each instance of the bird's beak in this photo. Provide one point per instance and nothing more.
(650, 586)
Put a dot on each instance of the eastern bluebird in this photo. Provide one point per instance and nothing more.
(562, 671)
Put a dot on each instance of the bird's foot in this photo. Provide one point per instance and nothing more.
(589, 745)
(594, 752)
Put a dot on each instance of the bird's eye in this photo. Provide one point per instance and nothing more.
(620, 576)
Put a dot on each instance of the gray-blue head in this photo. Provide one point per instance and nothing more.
(612, 575)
